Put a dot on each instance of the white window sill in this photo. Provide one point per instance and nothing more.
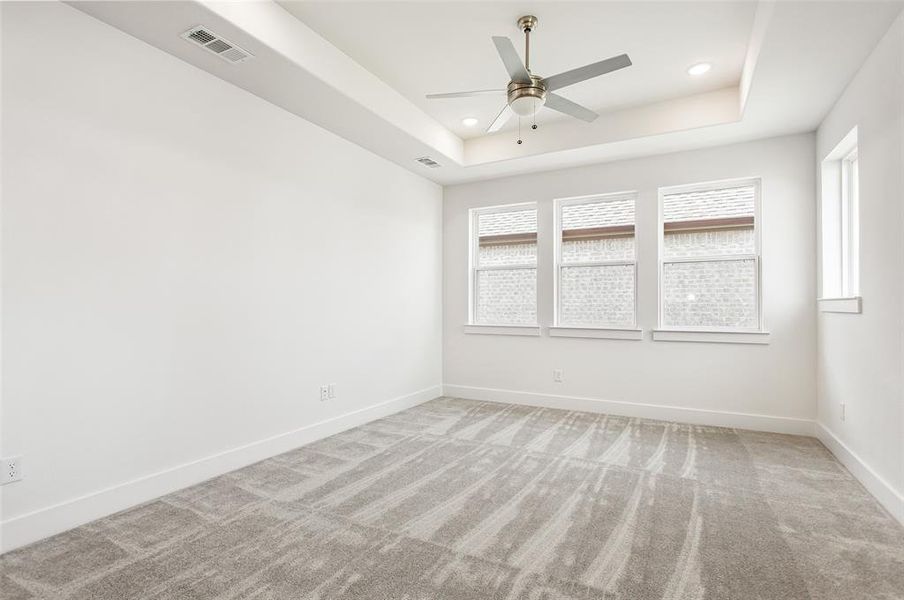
(841, 305)
(716, 337)
(530, 330)
(606, 333)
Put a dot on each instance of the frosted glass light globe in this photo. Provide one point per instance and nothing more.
(526, 105)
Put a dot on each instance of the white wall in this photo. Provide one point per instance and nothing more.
(859, 356)
(184, 265)
(699, 382)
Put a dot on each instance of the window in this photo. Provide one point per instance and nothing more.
(596, 262)
(504, 265)
(841, 227)
(710, 257)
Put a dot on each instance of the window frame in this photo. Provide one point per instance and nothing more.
(474, 270)
(558, 265)
(756, 256)
(840, 275)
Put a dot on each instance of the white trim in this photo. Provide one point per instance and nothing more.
(844, 146)
(501, 208)
(31, 527)
(705, 186)
(635, 409)
(594, 198)
(606, 333)
(715, 336)
(532, 330)
(841, 305)
(891, 499)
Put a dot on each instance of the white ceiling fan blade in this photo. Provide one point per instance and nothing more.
(465, 94)
(500, 119)
(511, 60)
(564, 105)
(587, 72)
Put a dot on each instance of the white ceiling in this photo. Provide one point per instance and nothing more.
(425, 47)
(361, 70)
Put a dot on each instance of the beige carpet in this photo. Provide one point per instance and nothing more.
(457, 500)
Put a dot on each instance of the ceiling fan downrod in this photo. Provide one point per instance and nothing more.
(527, 24)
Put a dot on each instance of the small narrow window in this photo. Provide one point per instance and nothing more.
(596, 262)
(710, 257)
(840, 211)
(504, 265)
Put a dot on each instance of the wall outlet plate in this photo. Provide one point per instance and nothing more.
(10, 469)
(558, 375)
(324, 392)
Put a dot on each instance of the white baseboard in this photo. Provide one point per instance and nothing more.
(633, 409)
(31, 527)
(891, 499)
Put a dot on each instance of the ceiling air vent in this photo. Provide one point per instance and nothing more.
(216, 45)
(428, 162)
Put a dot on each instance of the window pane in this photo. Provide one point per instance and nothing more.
(710, 294)
(600, 296)
(507, 238)
(711, 242)
(598, 231)
(506, 297)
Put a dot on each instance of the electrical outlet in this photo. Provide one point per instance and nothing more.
(324, 392)
(842, 411)
(10, 469)
(558, 375)
(332, 390)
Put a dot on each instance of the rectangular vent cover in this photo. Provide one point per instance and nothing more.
(216, 45)
(428, 162)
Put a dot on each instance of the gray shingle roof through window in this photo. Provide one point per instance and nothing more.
(504, 223)
(608, 213)
(708, 204)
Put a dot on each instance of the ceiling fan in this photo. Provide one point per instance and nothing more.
(528, 93)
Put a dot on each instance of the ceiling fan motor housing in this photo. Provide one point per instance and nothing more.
(527, 98)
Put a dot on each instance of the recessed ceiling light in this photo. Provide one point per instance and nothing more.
(699, 69)
(469, 121)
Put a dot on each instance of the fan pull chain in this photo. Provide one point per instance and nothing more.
(519, 129)
(534, 126)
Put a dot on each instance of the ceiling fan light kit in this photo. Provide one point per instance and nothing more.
(528, 93)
